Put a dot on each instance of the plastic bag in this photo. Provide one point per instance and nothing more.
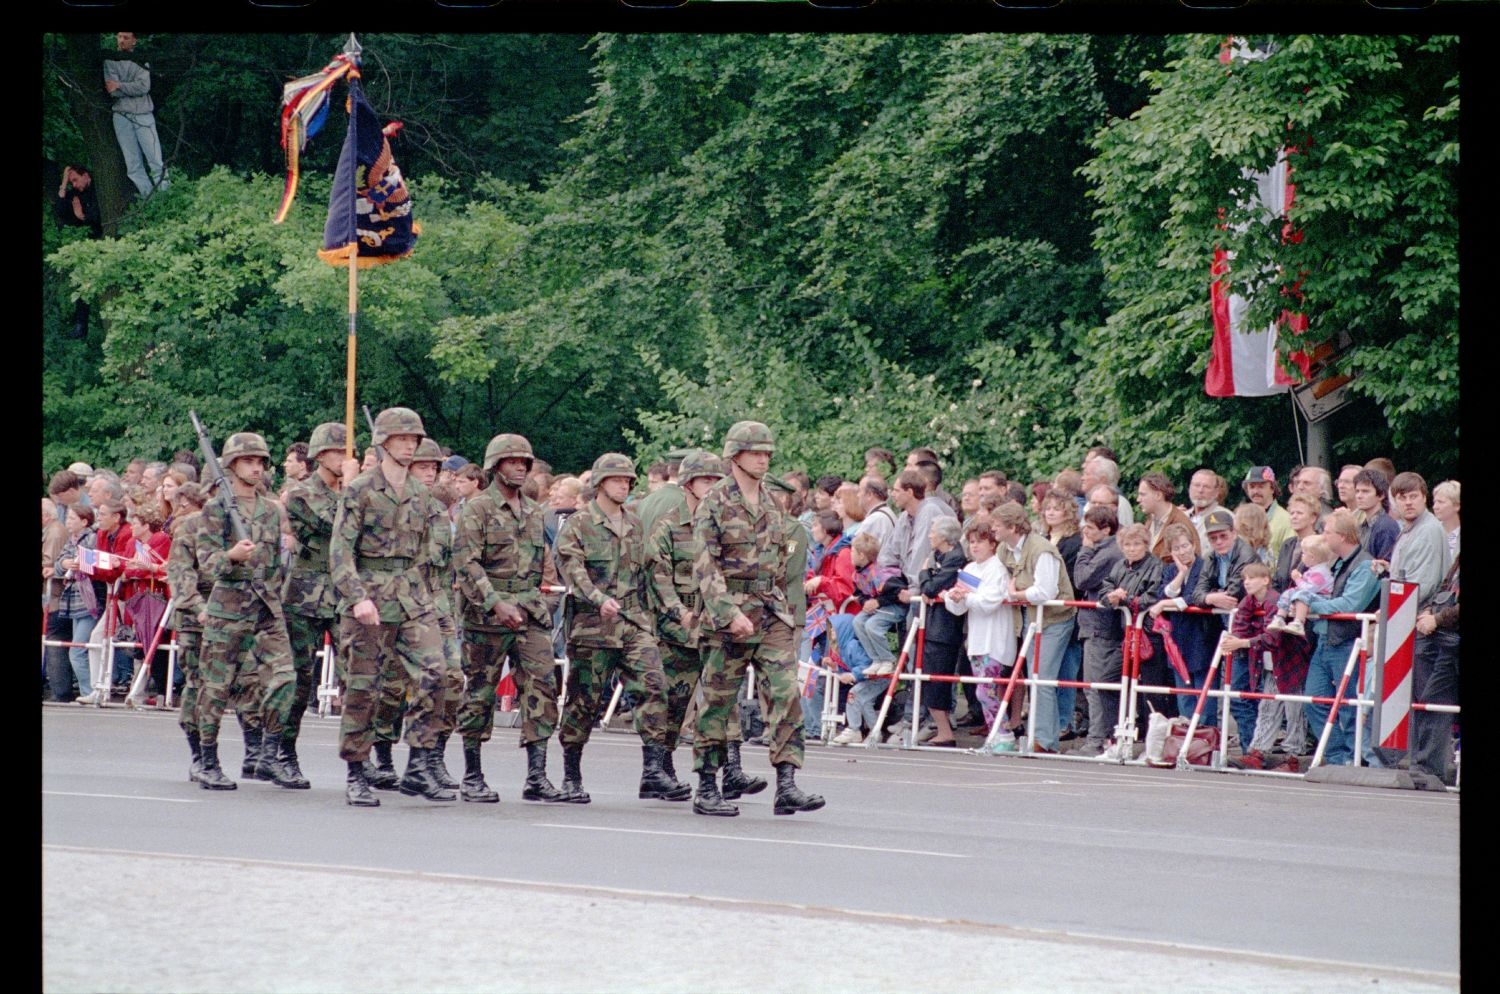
(1156, 739)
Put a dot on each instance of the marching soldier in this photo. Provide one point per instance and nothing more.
(603, 562)
(435, 568)
(243, 629)
(190, 592)
(502, 561)
(673, 552)
(379, 543)
(310, 606)
(741, 571)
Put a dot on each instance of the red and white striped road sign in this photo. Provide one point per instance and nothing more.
(1395, 668)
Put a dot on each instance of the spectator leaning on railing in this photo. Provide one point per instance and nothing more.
(1099, 628)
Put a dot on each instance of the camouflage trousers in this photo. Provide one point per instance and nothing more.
(390, 709)
(372, 655)
(249, 658)
(681, 666)
(589, 672)
(535, 672)
(724, 663)
(189, 646)
(306, 635)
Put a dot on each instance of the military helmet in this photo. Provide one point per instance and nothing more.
(612, 464)
(748, 436)
(398, 421)
(244, 443)
(428, 451)
(699, 463)
(328, 435)
(507, 446)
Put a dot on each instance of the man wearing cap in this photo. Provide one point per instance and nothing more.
(452, 464)
(1221, 585)
(310, 604)
(243, 626)
(601, 552)
(380, 539)
(1262, 489)
(502, 561)
(746, 542)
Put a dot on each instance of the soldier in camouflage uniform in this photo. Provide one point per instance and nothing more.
(309, 602)
(603, 563)
(741, 571)
(243, 627)
(437, 569)
(380, 539)
(673, 553)
(502, 561)
(190, 592)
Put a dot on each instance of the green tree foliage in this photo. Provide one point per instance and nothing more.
(994, 244)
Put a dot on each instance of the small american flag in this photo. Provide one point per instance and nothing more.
(88, 560)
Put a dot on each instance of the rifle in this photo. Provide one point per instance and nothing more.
(211, 463)
(379, 449)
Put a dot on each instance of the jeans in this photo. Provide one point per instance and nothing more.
(863, 706)
(1055, 639)
(1072, 666)
(1243, 712)
(79, 655)
(1187, 702)
(141, 148)
(1324, 672)
(871, 631)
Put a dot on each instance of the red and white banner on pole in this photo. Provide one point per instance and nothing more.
(1396, 646)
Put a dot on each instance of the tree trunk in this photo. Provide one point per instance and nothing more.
(83, 77)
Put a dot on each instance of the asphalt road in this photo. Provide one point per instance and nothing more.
(985, 872)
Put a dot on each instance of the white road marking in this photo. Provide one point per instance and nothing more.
(123, 797)
(750, 838)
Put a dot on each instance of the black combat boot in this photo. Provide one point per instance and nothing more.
(538, 787)
(295, 777)
(655, 784)
(269, 767)
(382, 773)
(439, 768)
(736, 780)
(357, 789)
(789, 797)
(572, 785)
(474, 787)
(251, 763)
(669, 770)
(210, 777)
(197, 751)
(709, 801)
(419, 778)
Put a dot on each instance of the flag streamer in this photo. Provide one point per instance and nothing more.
(304, 109)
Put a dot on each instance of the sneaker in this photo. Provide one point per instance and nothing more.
(849, 736)
(1005, 743)
(1276, 624)
(1294, 628)
(926, 733)
(880, 669)
(1251, 760)
(1290, 764)
(898, 730)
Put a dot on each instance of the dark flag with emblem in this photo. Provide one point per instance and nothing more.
(369, 207)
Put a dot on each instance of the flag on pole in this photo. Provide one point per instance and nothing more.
(304, 109)
(88, 561)
(369, 209)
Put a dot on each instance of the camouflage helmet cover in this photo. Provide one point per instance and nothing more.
(748, 436)
(507, 446)
(428, 451)
(328, 435)
(244, 443)
(398, 421)
(612, 464)
(698, 463)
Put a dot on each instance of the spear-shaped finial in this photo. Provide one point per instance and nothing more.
(352, 49)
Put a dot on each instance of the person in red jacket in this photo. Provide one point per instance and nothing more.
(146, 578)
(828, 585)
(115, 538)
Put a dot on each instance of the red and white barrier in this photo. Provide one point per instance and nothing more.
(1397, 638)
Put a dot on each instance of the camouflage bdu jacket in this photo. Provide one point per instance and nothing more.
(743, 558)
(672, 554)
(598, 563)
(236, 586)
(438, 566)
(500, 556)
(380, 540)
(312, 506)
(190, 588)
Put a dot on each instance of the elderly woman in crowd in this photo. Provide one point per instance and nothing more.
(1445, 505)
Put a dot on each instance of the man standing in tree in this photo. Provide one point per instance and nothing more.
(602, 553)
(127, 80)
(502, 562)
(243, 627)
(378, 545)
(744, 543)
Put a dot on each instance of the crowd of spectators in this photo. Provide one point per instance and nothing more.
(894, 542)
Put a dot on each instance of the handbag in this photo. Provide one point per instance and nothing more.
(1199, 751)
